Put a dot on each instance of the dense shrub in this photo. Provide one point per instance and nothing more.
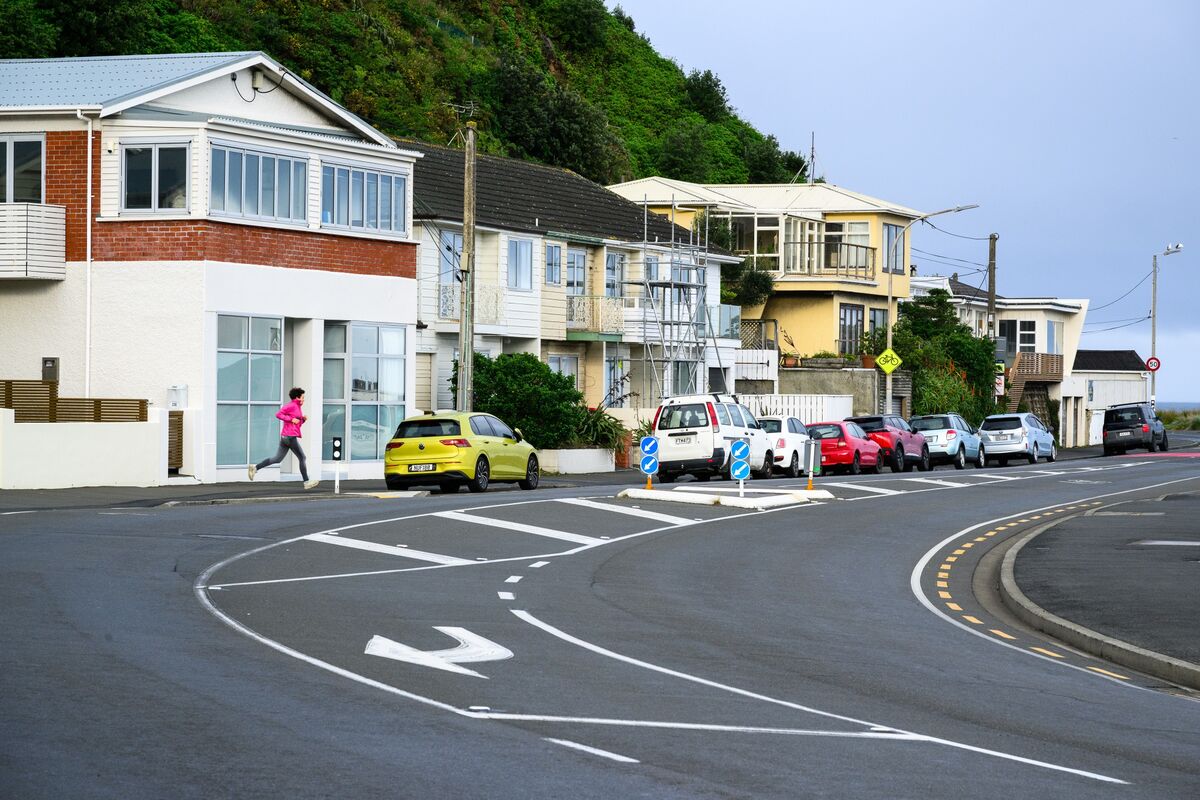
(522, 390)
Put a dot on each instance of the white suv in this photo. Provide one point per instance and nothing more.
(695, 433)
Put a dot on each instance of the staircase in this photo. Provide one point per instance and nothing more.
(1037, 370)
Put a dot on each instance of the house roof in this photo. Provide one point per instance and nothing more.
(1108, 361)
(534, 198)
(960, 289)
(798, 198)
(112, 84)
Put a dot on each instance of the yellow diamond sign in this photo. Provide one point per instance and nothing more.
(888, 360)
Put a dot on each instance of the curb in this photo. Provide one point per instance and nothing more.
(351, 495)
(1159, 665)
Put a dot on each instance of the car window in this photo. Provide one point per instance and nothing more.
(722, 414)
(735, 415)
(684, 415)
(1125, 416)
(501, 429)
(751, 422)
(796, 426)
(1001, 423)
(771, 425)
(901, 424)
(416, 428)
(824, 431)
(869, 423)
(1036, 423)
(931, 423)
(480, 426)
(857, 430)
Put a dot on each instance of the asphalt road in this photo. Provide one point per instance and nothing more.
(841, 649)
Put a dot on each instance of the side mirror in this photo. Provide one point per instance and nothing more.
(519, 436)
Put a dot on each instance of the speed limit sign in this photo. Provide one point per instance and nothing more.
(1153, 364)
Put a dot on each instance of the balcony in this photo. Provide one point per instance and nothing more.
(596, 314)
(489, 303)
(825, 259)
(33, 241)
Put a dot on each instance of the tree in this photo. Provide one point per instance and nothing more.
(522, 390)
(683, 153)
(578, 24)
(706, 95)
(931, 315)
(26, 31)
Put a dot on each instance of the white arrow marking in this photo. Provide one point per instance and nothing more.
(471, 647)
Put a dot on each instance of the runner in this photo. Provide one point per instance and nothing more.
(292, 417)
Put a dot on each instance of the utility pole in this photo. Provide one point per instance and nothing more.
(1170, 250)
(466, 325)
(991, 312)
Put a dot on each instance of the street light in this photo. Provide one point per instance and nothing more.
(1171, 250)
(887, 408)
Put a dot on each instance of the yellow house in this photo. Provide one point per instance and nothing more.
(832, 252)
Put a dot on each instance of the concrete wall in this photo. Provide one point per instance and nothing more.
(861, 384)
(62, 455)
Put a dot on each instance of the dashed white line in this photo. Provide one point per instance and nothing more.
(513, 579)
(633, 512)
(505, 595)
(863, 487)
(549, 533)
(391, 550)
(11, 513)
(937, 482)
(538, 564)
(594, 751)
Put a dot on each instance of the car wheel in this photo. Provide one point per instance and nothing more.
(1032, 455)
(448, 488)
(1053, 453)
(483, 476)
(855, 466)
(898, 462)
(878, 466)
(666, 477)
(1108, 451)
(793, 470)
(1162, 448)
(533, 475)
(960, 461)
(980, 458)
(768, 466)
(923, 465)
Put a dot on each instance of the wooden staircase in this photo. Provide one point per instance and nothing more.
(1037, 370)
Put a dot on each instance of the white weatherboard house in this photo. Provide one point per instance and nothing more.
(243, 234)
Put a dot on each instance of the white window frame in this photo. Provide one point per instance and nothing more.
(565, 365)
(1054, 336)
(400, 223)
(554, 268)
(260, 153)
(347, 401)
(250, 351)
(1027, 336)
(576, 263)
(10, 158)
(890, 234)
(614, 274)
(155, 145)
(520, 267)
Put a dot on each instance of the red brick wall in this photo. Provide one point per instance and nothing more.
(199, 240)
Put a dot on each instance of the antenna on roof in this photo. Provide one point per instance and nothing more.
(812, 158)
(461, 110)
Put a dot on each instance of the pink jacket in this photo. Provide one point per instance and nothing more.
(286, 414)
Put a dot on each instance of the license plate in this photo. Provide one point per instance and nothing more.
(680, 440)
(420, 467)
(1125, 433)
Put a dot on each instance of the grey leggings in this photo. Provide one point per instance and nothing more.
(287, 443)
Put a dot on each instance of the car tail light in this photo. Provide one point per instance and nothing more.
(657, 414)
(781, 444)
(393, 446)
(1145, 429)
(1104, 434)
(841, 443)
(951, 434)
(455, 442)
(712, 417)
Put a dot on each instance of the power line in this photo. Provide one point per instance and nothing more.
(1113, 321)
(1122, 297)
(957, 235)
(949, 258)
(1118, 327)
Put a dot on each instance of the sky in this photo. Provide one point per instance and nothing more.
(1074, 125)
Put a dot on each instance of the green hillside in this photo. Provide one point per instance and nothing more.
(564, 82)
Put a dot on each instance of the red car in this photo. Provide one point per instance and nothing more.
(845, 446)
(903, 448)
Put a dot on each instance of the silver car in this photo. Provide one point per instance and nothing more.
(1020, 435)
(951, 439)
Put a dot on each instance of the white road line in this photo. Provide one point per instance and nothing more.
(513, 579)
(11, 513)
(1167, 543)
(549, 533)
(865, 488)
(937, 482)
(505, 595)
(996, 477)
(633, 512)
(594, 751)
(1129, 514)
(391, 550)
(538, 564)
(880, 732)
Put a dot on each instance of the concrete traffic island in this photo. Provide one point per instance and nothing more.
(756, 499)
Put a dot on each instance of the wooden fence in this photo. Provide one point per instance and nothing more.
(38, 401)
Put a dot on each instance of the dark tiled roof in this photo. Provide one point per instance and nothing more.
(960, 289)
(532, 198)
(1109, 360)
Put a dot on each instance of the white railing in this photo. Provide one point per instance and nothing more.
(595, 313)
(449, 300)
(807, 408)
(489, 305)
(33, 241)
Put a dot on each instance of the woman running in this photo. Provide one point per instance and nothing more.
(292, 417)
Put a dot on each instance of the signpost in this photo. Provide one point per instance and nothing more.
(337, 467)
(739, 468)
(649, 464)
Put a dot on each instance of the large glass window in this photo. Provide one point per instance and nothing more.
(249, 387)
(614, 275)
(154, 177)
(520, 264)
(576, 272)
(363, 199)
(553, 264)
(893, 243)
(565, 365)
(1054, 337)
(879, 320)
(21, 169)
(363, 382)
(846, 245)
(1027, 336)
(850, 329)
(249, 184)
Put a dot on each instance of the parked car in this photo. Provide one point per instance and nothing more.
(903, 448)
(1008, 436)
(1133, 425)
(845, 446)
(788, 435)
(449, 450)
(951, 439)
(695, 433)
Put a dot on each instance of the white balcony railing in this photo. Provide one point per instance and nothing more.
(449, 300)
(489, 303)
(33, 241)
(595, 313)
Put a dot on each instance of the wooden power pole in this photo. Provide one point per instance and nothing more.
(991, 312)
(466, 326)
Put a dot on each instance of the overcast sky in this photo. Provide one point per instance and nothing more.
(1074, 125)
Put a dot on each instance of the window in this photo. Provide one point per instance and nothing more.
(1027, 336)
(847, 245)
(651, 268)
(1054, 337)
(520, 264)
(576, 272)
(249, 387)
(615, 375)
(566, 365)
(686, 415)
(450, 258)
(1007, 331)
(878, 320)
(553, 264)
(850, 329)
(893, 243)
(21, 169)
(1091, 386)
(154, 177)
(258, 185)
(364, 200)
(364, 383)
(684, 377)
(614, 275)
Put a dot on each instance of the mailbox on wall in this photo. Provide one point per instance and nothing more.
(50, 368)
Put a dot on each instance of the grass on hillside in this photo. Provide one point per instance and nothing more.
(1180, 420)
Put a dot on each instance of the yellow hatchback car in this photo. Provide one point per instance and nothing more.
(450, 449)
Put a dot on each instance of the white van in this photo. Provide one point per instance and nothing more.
(695, 433)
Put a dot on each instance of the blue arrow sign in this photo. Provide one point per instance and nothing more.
(740, 470)
(649, 446)
(649, 465)
(740, 449)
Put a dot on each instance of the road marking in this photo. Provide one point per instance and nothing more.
(1050, 653)
(972, 620)
(633, 512)
(1129, 514)
(11, 513)
(549, 533)
(968, 544)
(943, 584)
(505, 595)
(1002, 634)
(946, 566)
(936, 482)
(959, 552)
(594, 751)
(943, 574)
(471, 648)
(980, 538)
(954, 606)
(945, 595)
(391, 550)
(875, 489)
(1110, 674)
(952, 558)
(513, 579)
(1167, 543)
(538, 564)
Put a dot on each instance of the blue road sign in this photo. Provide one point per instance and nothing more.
(740, 470)
(649, 465)
(740, 449)
(649, 446)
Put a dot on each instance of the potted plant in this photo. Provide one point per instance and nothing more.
(789, 357)
(826, 359)
(870, 345)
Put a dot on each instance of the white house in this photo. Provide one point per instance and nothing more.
(1105, 378)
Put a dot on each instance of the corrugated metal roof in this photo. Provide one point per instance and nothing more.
(99, 81)
(803, 199)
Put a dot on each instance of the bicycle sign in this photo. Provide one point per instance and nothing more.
(888, 360)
